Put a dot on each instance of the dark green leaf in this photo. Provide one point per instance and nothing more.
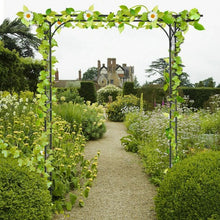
(48, 11)
(69, 10)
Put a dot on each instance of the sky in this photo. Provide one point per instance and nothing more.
(81, 49)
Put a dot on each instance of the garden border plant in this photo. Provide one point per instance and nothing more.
(136, 17)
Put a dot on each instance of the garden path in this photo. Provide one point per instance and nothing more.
(121, 190)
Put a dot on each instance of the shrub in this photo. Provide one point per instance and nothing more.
(23, 194)
(128, 88)
(70, 95)
(109, 90)
(88, 91)
(90, 117)
(116, 110)
(191, 189)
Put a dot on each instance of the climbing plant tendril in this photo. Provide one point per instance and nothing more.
(175, 25)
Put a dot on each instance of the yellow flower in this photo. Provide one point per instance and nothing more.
(28, 16)
(152, 16)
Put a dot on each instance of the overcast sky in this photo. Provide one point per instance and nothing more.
(80, 49)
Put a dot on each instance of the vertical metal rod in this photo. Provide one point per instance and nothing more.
(45, 129)
(176, 133)
(170, 90)
(50, 93)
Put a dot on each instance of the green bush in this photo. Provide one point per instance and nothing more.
(200, 96)
(23, 194)
(128, 88)
(109, 90)
(191, 189)
(88, 91)
(69, 95)
(116, 110)
(89, 117)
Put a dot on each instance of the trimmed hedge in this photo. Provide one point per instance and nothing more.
(154, 94)
(88, 91)
(200, 96)
(23, 194)
(191, 189)
(128, 88)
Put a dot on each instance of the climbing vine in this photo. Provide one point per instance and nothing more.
(135, 17)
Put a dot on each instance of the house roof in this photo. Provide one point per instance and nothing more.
(67, 83)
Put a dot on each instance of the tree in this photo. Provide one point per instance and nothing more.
(90, 74)
(209, 82)
(158, 67)
(15, 35)
(18, 73)
(136, 83)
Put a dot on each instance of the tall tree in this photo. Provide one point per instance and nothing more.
(209, 82)
(15, 35)
(158, 67)
(90, 74)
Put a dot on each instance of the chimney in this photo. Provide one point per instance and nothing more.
(113, 64)
(80, 75)
(109, 65)
(57, 75)
(99, 64)
(124, 65)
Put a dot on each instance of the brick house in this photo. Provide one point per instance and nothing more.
(114, 74)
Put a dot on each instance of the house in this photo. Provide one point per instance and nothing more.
(66, 83)
(114, 74)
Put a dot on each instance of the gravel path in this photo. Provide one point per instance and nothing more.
(122, 190)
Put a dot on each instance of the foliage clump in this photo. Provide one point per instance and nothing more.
(88, 91)
(116, 110)
(90, 117)
(23, 194)
(104, 94)
(191, 189)
(128, 88)
(68, 95)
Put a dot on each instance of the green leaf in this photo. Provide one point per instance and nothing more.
(69, 10)
(144, 16)
(121, 27)
(91, 8)
(124, 7)
(168, 18)
(25, 8)
(180, 99)
(48, 11)
(110, 16)
(20, 14)
(155, 9)
(165, 87)
(132, 12)
(194, 14)
(198, 26)
(137, 10)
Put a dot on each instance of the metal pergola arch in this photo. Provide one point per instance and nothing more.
(170, 33)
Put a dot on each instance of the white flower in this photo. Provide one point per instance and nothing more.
(88, 14)
(152, 16)
(28, 16)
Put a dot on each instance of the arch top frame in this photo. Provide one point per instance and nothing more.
(136, 17)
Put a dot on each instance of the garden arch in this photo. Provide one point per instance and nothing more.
(136, 17)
